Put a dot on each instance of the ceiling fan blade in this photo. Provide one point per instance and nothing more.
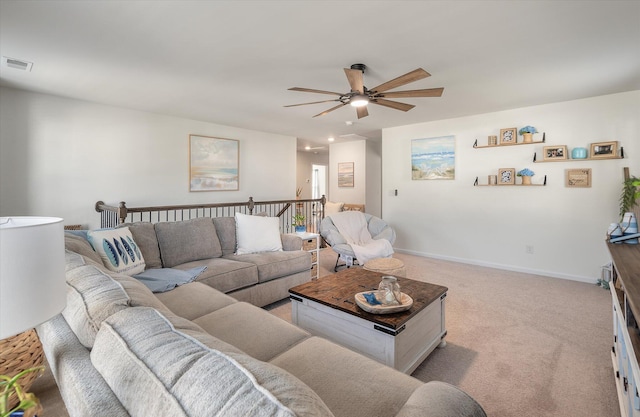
(311, 90)
(362, 112)
(428, 92)
(330, 110)
(393, 104)
(313, 102)
(407, 78)
(355, 79)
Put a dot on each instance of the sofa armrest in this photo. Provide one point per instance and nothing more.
(291, 242)
(438, 399)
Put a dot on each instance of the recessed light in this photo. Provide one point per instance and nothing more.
(348, 123)
(17, 63)
(331, 139)
(307, 148)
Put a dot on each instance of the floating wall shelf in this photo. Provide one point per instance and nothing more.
(475, 145)
(578, 160)
(510, 185)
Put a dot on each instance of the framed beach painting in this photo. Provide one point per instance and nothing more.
(213, 164)
(433, 158)
(345, 174)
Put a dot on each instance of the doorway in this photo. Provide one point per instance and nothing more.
(318, 181)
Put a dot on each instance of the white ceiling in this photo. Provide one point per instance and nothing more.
(231, 62)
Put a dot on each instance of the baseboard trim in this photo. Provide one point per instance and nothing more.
(552, 274)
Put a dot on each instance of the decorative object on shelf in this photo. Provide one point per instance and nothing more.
(526, 175)
(630, 195)
(555, 152)
(492, 179)
(389, 290)
(629, 226)
(39, 281)
(298, 221)
(614, 231)
(213, 164)
(578, 178)
(433, 158)
(527, 133)
(493, 140)
(579, 153)
(345, 174)
(508, 136)
(604, 150)
(506, 176)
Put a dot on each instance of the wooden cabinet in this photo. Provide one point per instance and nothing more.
(625, 293)
(311, 243)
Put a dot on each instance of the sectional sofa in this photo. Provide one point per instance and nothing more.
(119, 349)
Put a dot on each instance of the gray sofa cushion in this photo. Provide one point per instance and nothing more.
(93, 294)
(272, 265)
(144, 234)
(154, 369)
(256, 332)
(187, 240)
(344, 395)
(226, 228)
(223, 274)
(80, 245)
(194, 300)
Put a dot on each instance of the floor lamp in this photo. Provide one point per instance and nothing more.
(32, 289)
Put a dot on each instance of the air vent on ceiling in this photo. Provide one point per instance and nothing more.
(17, 63)
(353, 136)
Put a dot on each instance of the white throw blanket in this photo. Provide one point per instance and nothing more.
(353, 226)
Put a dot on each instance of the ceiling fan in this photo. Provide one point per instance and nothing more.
(360, 96)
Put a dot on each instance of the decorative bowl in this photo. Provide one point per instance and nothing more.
(407, 302)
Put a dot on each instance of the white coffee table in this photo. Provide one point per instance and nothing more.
(326, 307)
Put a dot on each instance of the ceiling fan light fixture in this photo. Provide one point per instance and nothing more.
(359, 100)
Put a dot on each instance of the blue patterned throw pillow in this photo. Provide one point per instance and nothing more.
(117, 249)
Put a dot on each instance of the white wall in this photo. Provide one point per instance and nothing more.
(59, 156)
(493, 225)
(373, 197)
(355, 152)
(304, 171)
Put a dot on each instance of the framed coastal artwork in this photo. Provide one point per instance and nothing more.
(213, 164)
(345, 174)
(433, 158)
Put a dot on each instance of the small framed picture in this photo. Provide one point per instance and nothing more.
(506, 176)
(604, 150)
(508, 136)
(578, 178)
(555, 152)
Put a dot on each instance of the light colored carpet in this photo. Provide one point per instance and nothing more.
(520, 344)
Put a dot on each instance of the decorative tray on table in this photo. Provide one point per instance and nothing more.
(362, 302)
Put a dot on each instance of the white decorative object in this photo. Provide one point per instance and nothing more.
(629, 226)
(256, 234)
(361, 301)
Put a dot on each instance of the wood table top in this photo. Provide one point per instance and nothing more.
(626, 259)
(339, 290)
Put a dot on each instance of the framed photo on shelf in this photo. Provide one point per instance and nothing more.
(578, 178)
(506, 176)
(555, 152)
(508, 136)
(604, 150)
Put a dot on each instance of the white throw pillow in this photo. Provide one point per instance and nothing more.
(117, 249)
(257, 234)
(332, 208)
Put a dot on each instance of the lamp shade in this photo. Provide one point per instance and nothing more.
(32, 272)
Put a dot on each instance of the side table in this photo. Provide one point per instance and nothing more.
(311, 244)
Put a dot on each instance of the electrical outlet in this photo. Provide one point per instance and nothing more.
(528, 249)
